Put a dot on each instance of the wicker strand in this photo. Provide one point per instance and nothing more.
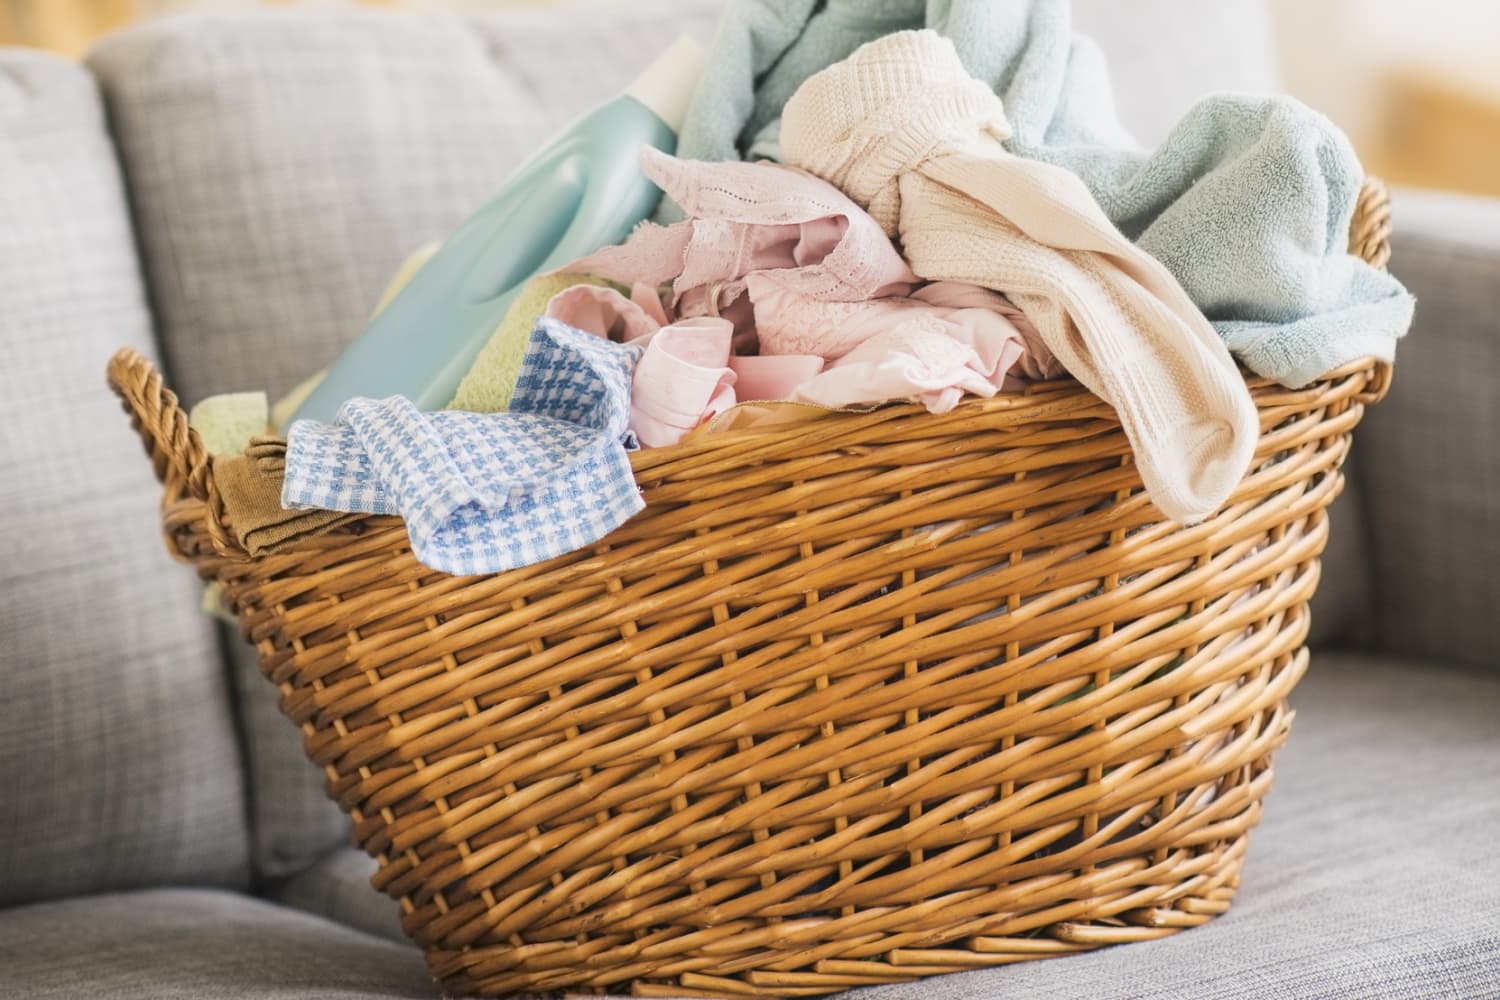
(177, 453)
(176, 450)
(1370, 231)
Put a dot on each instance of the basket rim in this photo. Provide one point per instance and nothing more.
(1054, 399)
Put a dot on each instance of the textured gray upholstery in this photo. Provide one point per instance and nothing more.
(1342, 604)
(1431, 469)
(1373, 874)
(118, 765)
(195, 944)
(281, 164)
(338, 887)
(295, 820)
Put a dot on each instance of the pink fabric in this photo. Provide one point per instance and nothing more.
(686, 375)
(789, 323)
(800, 274)
(649, 301)
(911, 360)
(974, 308)
(606, 312)
(748, 217)
(772, 376)
(682, 380)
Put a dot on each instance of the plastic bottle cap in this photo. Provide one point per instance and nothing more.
(666, 86)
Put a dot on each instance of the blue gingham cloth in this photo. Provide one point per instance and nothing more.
(482, 493)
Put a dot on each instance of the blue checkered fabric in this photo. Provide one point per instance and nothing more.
(482, 493)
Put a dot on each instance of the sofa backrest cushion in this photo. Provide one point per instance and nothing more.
(118, 761)
(1430, 453)
(282, 163)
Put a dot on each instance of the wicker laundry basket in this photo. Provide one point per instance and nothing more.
(869, 698)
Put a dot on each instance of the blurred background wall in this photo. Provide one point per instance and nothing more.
(1415, 83)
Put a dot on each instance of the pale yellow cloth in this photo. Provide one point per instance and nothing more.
(228, 421)
(903, 129)
(488, 385)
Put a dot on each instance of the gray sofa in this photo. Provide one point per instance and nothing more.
(229, 192)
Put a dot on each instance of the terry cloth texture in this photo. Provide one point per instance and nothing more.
(1247, 201)
(903, 129)
(482, 493)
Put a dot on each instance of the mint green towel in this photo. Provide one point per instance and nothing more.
(1247, 202)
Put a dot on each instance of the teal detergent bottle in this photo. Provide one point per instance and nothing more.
(583, 191)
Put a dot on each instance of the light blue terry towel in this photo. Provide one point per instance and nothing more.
(1248, 201)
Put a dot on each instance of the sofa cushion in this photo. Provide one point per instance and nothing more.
(295, 821)
(338, 887)
(118, 764)
(192, 944)
(282, 163)
(1342, 605)
(1373, 874)
(1431, 464)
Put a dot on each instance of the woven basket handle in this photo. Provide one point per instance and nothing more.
(177, 452)
(1370, 229)
(1370, 240)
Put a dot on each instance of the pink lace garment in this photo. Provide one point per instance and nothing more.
(807, 281)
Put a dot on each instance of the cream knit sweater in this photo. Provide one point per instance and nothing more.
(903, 129)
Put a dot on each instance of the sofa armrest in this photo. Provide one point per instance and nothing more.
(1429, 456)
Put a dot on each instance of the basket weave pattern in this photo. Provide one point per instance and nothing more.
(864, 699)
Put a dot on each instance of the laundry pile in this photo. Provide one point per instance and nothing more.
(779, 286)
(919, 220)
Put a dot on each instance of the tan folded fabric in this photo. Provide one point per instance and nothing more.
(268, 453)
(250, 486)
